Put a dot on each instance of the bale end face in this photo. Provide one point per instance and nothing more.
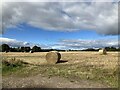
(102, 52)
(53, 57)
(31, 51)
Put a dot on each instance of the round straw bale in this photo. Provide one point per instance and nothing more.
(31, 51)
(53, 57)
(103, 51)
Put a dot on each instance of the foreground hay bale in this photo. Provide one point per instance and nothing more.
(102, 51)
(53, 57)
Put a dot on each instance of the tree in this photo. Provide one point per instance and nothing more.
(15, 49)
(27, 49)
(22, 49)
(119, 49)
(36, 49)
(107, 48)
(113, 49)
(110, 48)
(5, 48)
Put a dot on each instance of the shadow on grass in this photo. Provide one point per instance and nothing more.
(62, 61)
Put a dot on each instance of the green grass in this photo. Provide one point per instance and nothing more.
(11, 66)
(8, 70)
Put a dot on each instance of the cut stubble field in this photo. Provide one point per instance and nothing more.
(76, 70)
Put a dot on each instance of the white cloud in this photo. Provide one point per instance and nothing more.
(64, 44)
(60, 1)
(17, 43)
(83, 44)
(14, 42)
(63, 16)
(0, 17)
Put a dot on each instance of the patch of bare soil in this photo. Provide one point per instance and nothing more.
(46, 82)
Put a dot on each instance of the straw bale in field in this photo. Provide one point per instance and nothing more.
(31, 51)
(53, 57)
(103, 51)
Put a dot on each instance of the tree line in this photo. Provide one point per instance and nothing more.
(106, 48)
(7, 48)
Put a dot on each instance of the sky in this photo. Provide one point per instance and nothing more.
(59, 25)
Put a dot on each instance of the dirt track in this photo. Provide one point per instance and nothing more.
(46, 82)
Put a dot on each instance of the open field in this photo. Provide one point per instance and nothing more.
(87, 58)
(76, 69)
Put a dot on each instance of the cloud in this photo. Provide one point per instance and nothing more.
(17, 43)
(61, 1)
(65, 44)
(14, 42)
(83, 44)
(101, 17)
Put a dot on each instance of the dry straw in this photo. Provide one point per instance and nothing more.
(53, 57)
(31, 51)
(103, 51)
